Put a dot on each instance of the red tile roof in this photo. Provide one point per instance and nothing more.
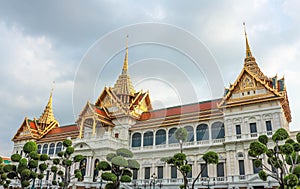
(63, 129)
(32, 124)
(179, 110)
(100, 112)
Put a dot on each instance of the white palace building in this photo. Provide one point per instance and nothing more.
(254, 104)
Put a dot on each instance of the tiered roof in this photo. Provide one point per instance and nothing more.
(252, 79)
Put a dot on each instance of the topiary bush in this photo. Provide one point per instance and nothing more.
(30, 147)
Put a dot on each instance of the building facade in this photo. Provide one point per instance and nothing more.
(123, 117)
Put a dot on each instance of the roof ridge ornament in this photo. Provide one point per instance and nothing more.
(125, 65)
(47, 116)
(249, 56)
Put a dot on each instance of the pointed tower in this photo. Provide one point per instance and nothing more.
(256, 93)
(250, 62)
(123, 87)
(47, 117)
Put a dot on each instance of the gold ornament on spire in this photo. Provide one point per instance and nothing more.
(249, 56)
(125, 66)
(123, 85)
(47, 117)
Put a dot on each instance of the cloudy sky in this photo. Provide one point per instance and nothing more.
(181, 51)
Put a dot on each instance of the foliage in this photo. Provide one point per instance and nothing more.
(62, 165)
(116, 169)
(180, 162)
(30, 146)
(279, 135)
(123, 152)
(3, 176)
(25, 168)
(283, 157)
(181, 136)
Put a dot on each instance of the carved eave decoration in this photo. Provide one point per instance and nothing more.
(140, 104)
(91, 111)
(234, 88)
(109, 102)
(271, 94)
(25, 132)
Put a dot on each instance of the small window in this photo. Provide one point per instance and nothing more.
(238, 129)
(220, 170)
(160, 172)
(134, 174)
(39, 149)
(147, 172)
(45, 149)
(241, 167)
(51, 148)
(116, 135)
(203, 167)
(269, 127)
(190, 174)
(173, 172)
(253, 130)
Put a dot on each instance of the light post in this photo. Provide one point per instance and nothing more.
(208, 183)
(160, 184)
(135, 184)
(153, 176)
(101, 183)
(145, 185)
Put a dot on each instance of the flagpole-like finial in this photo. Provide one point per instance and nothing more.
(125, 66)
(248, 50)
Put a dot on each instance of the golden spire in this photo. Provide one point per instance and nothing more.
(249, 56)
(125, 66)
(123, 85)
(47, 117)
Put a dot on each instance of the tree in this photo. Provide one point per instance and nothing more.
(283, 161)
(3, 176)
(180, 162)
(62, 165)
(117, 168)
(209, 157)
(181, 136)
(27, 168)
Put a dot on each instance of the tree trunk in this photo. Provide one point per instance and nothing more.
(186, 182)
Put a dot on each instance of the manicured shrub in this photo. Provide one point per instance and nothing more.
(30, 147)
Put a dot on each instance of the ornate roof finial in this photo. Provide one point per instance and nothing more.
(249, 57)
(248, 51)
(47, 117)
(125, 66)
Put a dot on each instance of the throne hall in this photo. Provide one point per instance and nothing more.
(254, 104)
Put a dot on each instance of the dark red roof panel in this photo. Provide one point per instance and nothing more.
(32, 125)
(179, 110)
(63, 129)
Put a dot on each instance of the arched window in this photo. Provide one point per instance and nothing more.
(96, 171)
(217, 130)
(39, 149)
(190, 131)
(202, 132)
(136, 140)
(45, 149)
(58, 147)
(160, 137)
(82, 168)
(172, 138)
(148, 138)
(51, 148)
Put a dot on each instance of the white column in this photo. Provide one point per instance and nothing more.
(154, 138)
